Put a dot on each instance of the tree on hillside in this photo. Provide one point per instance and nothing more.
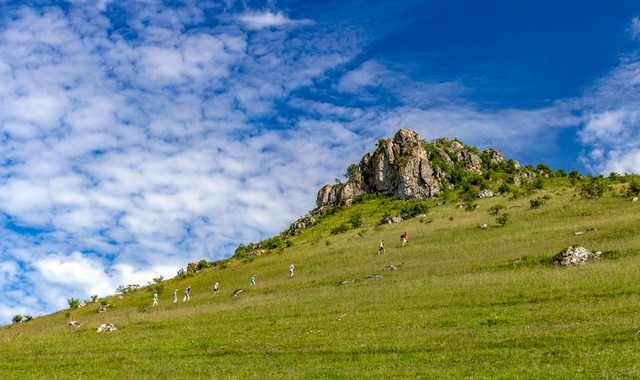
(352, 170)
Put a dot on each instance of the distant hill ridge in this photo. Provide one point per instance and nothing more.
(407, 167)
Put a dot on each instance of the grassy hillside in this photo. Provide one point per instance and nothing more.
(465, 303)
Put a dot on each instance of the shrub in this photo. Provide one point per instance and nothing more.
(356, 220)
(128, 288)
(594, 188)
(273, 242)
(182, 273)
(456, 176)
(74, 303)
(412, 209)
(538, 183)
(537, 203)
(340, 229)
(495, 210)
(156, 285)
(504, 188)
(633, 189)
(202, 264)
(16, 318)
(243, 250)
(352, 170)
(470, 206)
(502, 219)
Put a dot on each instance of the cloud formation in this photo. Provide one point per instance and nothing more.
(128, 143)
(267, 19)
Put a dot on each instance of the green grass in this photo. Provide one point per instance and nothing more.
(465, 303)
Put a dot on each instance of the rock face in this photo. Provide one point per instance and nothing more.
(406, 167)
(573, 256)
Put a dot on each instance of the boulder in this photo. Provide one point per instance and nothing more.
(107, 328)
(573, 256)
(485, 194)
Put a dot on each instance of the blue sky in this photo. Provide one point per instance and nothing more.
(136, 136)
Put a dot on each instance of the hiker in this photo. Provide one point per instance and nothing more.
(175, 296)
(187, 294)
(216, 287)
(291, 270)
(381, 247)
(403, 238)
(155, 299)
(253, 280)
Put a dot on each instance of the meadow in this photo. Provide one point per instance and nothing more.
(464, 303)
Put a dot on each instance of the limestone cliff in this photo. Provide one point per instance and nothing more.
(407, 167)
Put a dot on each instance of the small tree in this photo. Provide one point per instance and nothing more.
(156, 286)
(74, 303)
(352, 170)
(202, 264)
(16, 318)
(594, 188)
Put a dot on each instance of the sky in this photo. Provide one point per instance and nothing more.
(139, 135)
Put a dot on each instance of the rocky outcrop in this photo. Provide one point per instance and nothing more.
(407, 167)
(573, 256)
(300, 225)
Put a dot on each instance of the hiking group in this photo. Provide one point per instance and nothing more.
(252, 280)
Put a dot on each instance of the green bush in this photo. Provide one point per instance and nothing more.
(122, 289)
(16, 318)
(352, 170)
(504, 188)
(594, 188)
(538, 183)
(356, 220)
(243, 250)
(202, 264)
(341, 229)
(502, 219)
(413, 208)
(470, 206)
(633, 188)
(537, 203)
(273, 243)
(495, 210)
(74, 303)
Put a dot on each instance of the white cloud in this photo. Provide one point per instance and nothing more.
(133, 148)
(268, 19)
(611, 129)
(635, 28)
(370, 73)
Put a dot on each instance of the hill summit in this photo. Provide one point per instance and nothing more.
(407, 167)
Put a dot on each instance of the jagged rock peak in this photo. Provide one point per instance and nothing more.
(406, 167)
